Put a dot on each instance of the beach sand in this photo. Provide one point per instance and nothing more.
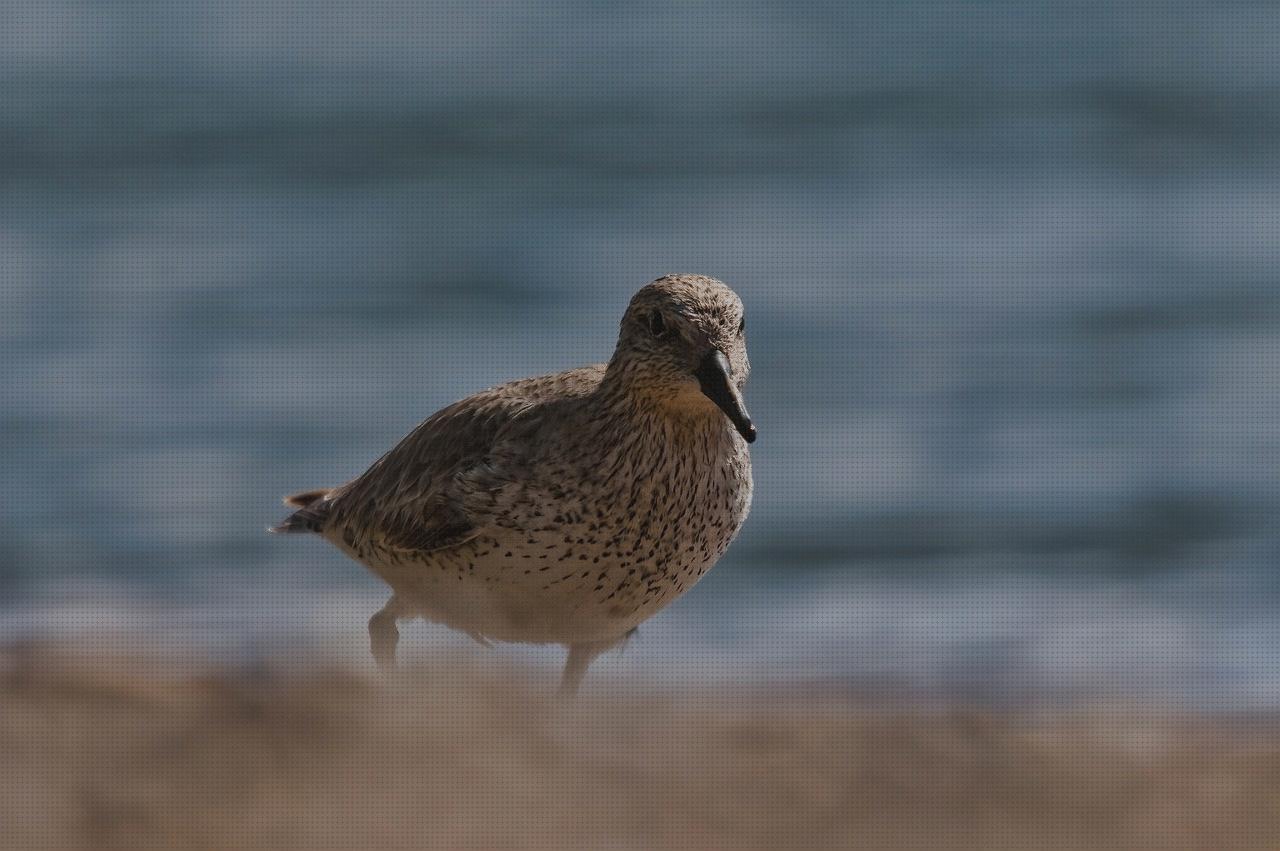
(99, 751)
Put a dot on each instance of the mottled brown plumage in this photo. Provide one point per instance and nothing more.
(567, 508)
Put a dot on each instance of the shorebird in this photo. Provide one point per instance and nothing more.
(568, 508)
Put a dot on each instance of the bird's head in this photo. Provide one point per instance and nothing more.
(683, 343)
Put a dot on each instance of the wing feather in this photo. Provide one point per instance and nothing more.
(421, 496)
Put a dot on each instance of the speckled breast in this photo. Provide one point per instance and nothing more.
(614, 550)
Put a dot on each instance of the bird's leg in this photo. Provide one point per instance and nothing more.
(580, 658)
(575, 667)
(383, 635)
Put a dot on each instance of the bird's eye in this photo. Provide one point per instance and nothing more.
(657, 325)
(742, 326)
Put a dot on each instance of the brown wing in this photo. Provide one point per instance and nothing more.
(414, 498)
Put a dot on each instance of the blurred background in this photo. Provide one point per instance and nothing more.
(1010, 277)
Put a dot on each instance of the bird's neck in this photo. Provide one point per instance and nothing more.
(654, 409)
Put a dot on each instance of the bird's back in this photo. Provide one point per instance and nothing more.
(409, 497)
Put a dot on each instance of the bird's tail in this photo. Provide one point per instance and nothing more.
(302, 500)
(313, 510)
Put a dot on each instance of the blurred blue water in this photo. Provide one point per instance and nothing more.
(1011, 278)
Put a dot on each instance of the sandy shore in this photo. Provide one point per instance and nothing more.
(103, 752)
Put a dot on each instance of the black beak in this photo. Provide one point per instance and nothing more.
(716, 377)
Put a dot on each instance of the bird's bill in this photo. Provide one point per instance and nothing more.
(715, 376)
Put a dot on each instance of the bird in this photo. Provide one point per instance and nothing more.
(566, 508)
